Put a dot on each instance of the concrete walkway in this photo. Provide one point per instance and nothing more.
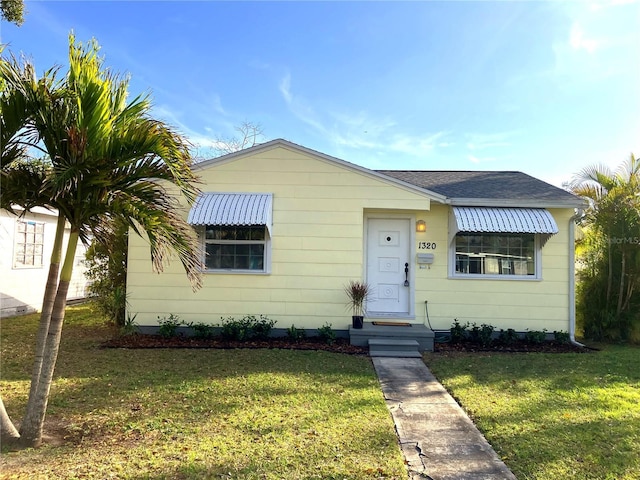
(438, 439)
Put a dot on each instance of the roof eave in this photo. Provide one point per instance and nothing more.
(37, 210)
(518, 202)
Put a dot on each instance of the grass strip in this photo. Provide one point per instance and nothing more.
(179, 413)
(553, 416)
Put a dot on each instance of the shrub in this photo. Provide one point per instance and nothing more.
(296, 334)
(106, 270)
(561, 337)
(327, 334)
(203, 330)
(247, 328)
(130, 327)
(458, 332)
(232, 329)
(169, 325)
(485, 335)
(481, 334)
(508, 337)
(535, 337)
(473, 335)
(606, 308)
(260, 328)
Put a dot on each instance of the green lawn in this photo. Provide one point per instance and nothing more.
(197, 413)
(553, 416)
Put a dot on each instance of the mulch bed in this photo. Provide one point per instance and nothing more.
(341, 345)
(516, 347)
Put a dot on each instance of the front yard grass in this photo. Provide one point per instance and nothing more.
(553, 416)
(178, 413)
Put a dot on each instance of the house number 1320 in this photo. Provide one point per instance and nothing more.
(426, 246)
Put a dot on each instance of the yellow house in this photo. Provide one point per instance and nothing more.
(285, 228)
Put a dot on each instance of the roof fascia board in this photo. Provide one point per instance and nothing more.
(516, 203)
(324, 157)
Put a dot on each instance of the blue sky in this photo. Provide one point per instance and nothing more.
(541, 87)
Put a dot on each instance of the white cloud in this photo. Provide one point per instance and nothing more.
(600, 41)
(483, 145)
(173, 118)
(579, 41)
(601, 5)
(217, 105)
(478, 160)
(481, 141)
(358, 131)
(611, 158)
(285, 88)
(416, 145)
(510, 107)
(383, 137)
(299, 107)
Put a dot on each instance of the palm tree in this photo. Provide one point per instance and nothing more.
(108, 159)
(614, 212)
(21, 183)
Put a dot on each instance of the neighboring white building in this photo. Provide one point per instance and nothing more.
(25, 251)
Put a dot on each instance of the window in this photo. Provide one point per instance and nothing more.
(236, 247)
(29, 244)
(496, 254)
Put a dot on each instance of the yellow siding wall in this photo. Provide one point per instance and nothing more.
(317, 245)
(518, 304)
(319, 211)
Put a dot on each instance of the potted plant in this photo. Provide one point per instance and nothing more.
(357, 292)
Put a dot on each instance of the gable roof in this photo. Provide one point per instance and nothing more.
(488, 188)
(279, 142)
(469, 188)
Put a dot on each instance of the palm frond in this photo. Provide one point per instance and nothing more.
(109, 158)
(22, 184)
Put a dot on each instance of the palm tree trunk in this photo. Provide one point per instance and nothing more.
(630, 288)
(47, 307)
(33, 422)
(8, 432)
(621, 288)
(610, 273)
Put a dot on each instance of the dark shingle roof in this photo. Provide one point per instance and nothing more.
(493, 185)
(491, 188)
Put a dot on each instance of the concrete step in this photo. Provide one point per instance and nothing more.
(394, 354)
(394, 342)
(393, 347)
(421, 334)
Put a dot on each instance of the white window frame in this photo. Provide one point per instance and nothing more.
(22, 238)
(266, 262)
(484, 276)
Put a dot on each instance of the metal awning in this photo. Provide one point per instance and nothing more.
(504, 220)
(232, 209)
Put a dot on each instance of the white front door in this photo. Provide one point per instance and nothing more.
(388, 266)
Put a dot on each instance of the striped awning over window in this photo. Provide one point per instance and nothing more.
(505, 220)
(232, 209)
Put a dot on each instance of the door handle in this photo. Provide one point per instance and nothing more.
(406, 274)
